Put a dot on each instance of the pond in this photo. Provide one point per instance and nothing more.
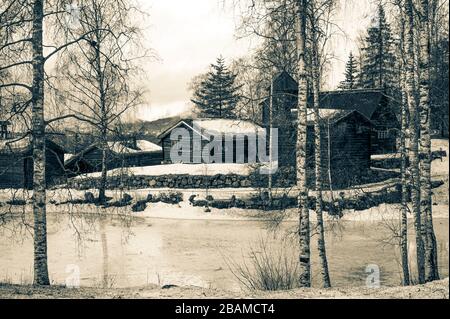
(135, 252)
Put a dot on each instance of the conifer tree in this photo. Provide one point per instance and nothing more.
(351, 74)
(378, 61)
(217, 95)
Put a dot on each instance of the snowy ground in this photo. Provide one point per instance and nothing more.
(434, 290)
(179, 169)
(440, 170)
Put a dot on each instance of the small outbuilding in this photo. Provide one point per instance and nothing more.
(345, 146)
(16, 163)
(191, 137)
(135, 153)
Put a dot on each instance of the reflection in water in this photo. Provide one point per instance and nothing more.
(135, 252)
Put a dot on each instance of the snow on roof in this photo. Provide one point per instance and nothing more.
(146, 146)
(119, 148)
(227, 126)
(68, 156)
(143, 146)
(327, 115)
(15, 145)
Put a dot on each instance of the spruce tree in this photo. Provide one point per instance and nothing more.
(351, 74)
(217, 95)
(378, 63)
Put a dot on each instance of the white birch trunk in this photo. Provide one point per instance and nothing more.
(304, 226)
(41, 277)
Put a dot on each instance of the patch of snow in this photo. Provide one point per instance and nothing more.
(440, 167)
(68, 156)
(119, 148)
(227, 126)
(180, 169)
(146, 146)
(385, 156)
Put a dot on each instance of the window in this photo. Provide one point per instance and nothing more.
(382, 135)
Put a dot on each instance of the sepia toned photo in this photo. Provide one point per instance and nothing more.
(224, 149)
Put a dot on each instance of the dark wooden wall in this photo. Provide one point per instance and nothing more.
(384, 119)
(195, 157)
(348, 152)
(16, 169)
(91, 161)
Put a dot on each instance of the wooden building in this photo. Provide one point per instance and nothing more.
(374, 105)
(371, 103)
(232, 133)
(345, 141)
(345, 146)
(16, 164)
(135, 153)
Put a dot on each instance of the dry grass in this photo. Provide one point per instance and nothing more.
(271, 267)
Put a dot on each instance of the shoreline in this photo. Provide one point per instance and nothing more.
(185, 211)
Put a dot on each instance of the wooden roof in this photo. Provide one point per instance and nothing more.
(364, 101)
(23, 145)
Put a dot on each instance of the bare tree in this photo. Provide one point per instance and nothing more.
(428, 234)
(319, 19)
(304, 223)
(21, 29)
(403, 149)
(414, 136)
(101, 71)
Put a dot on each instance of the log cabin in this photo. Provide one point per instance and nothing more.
(372, 103)
(346, 135)
(135, 153)
(16, 163)
(236, 132)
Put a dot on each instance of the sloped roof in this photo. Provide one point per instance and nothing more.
(284, 82)
(147, 146)
(331, 116)
(364, 101)
(227, 126)
(119, 148)
(24, 145)
(207, 126)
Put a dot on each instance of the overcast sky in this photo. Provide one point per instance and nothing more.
(189, 35)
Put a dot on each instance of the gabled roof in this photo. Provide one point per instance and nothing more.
(206, 126)
(364, 101)
(119, 148)
(284, 82)
(331, 116)
(24, 145)
(227, 126)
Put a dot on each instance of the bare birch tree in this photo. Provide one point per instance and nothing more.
(26, 57)
(431, 268)
(97, 73)
(318, 14)
(403, 150)
(414, 131)
(304, 222)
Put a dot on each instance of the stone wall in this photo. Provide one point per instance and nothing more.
(170, 181)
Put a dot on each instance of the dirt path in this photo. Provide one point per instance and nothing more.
(435, 290)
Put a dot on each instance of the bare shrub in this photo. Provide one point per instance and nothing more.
(272, 266)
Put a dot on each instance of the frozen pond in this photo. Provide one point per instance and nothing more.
(134, 252)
